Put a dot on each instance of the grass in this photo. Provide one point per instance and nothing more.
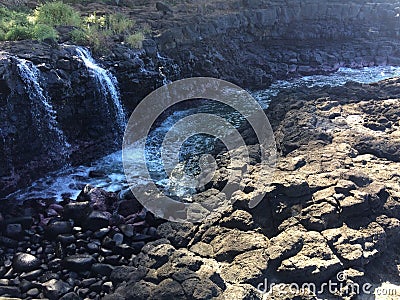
(96, 31)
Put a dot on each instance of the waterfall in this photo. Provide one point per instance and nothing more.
(108, 86)
(43, 114)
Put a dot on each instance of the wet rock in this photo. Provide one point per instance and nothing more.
(79, 262)
(33, 292)
(118, 238)
(70, 296)
(127, 229)
(97, 220)
(102, 269)
(55, 289)
(14, 231)
(10, 291)
(58, 227)
(24, 262)
(77, 211)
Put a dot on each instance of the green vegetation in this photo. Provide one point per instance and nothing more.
(119, 23)
(43, 31)
(95, 31)
(14, 25)
(135, 40)
(55, 14)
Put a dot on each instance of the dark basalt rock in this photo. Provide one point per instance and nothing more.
(25, 262)
(78, 263)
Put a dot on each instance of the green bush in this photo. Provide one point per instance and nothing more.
(56, 13)
(17, 33)
(119, 23)
(43, 31)
(79, 36)
(135, 40)
(99, 40)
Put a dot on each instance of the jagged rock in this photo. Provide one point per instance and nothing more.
(241, 291)
(239, 219)
(179, 234)
(314, 261)
(357, 247)
(248, 267)
(227, 243)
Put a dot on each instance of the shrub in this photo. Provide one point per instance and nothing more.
(17, 33)
(135, 40)
(119, 23)
(78, 36)
(43, 31)
(56, 13)
(98, 40)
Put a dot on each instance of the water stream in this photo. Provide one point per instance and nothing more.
(108, 86)
(43, 114)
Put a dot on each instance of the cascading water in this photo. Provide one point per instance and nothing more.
(71, 181)
(108, 86)
(43, 114)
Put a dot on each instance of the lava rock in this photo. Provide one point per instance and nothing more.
(24, 262)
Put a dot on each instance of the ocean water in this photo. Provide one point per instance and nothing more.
(69, 181)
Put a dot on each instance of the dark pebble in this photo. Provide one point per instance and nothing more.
(97, 220)
(78, 262)
(10, 291)
(14, 231)
(70, 296)
(118, 238)
(7, 242)
(102, 269)
(66, 239)
(31, 275)
(58, 227)
(24, 262)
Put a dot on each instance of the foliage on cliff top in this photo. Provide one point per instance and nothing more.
(55, 13)
(96, 31)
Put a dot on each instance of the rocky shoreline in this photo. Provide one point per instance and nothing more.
(333, 207)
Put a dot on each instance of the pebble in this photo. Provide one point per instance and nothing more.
(14, 230)
(78, 262)
(118, 238)
(33, 292)
(24, 262)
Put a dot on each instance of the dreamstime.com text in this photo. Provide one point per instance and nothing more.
(339, 286)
